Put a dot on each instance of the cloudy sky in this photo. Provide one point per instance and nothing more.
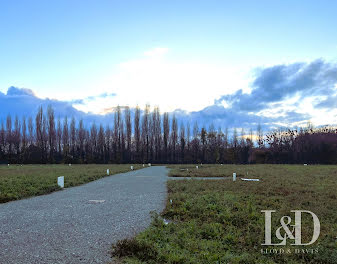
(237, 63)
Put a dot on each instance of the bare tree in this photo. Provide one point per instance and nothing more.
(44, 139)
(151, 136)
(108, 143)
(122, 137)
(145, 134)
(188, 137)
(93, 142)
(127, 116)
(220, 145)
(39, 131)
(260, 136)
(59, 136)
(65, 139)
(235, 139)
(9, 136)
(51, 133)
(118, 135)
(24, 138)
(242, 138)
(182, 142)
(30, 131)
(81, 138)
(101, 145)
(2, 139)
(17, 138)
(137, 134)
(203, 139)
(73, 137)
(174, 138)
(157, 133)
(195, 144)
(166, 130)
(212, 148)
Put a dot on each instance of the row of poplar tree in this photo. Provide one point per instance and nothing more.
(149, 136)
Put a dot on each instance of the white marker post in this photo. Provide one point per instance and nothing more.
(131, 167)
(149, 164)
(234, 176)
(60, 181)
(197, 167)
(108, 172)
(143, 165)
(69, 164)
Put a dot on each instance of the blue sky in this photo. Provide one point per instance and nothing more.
(186, 55)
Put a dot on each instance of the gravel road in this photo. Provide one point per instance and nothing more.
(78, 225)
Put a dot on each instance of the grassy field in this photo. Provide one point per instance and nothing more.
(17, 182)
(220, 221)
(244, 171)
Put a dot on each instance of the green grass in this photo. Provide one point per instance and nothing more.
(220, 221)
(17, 182)
(245, 171)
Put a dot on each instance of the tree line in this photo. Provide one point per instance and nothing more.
(149, 136)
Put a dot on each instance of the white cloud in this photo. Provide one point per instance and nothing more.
(158, 80)
(156, 52)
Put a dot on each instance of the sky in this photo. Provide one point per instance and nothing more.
(260, 61)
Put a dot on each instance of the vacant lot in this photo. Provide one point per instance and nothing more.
(220, 221)
(246, 171)
(17, 182)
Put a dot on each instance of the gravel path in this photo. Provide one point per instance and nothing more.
(66, 227)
